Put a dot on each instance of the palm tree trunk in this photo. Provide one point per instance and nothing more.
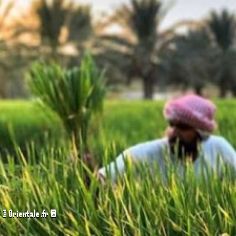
(148, 88)
(223, 92)
(233, 91)
(223, 86)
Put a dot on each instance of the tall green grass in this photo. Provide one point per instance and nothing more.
(139, 203)
(23, 122)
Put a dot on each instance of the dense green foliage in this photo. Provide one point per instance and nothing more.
(142, 205)
(75, 95)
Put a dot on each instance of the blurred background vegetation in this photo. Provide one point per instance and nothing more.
(197, 55)
(44, 60)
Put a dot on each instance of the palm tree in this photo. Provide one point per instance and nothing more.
(52, 16)
(141, 41)
(223, 29)
(9, 61)
(142, 19)
(56, 14)
(188, 62)
(80, 23)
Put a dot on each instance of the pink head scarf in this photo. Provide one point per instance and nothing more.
(192, 110)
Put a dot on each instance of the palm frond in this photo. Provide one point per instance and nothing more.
(117, 40)
(6, 12)
(144, 18)
(223, 27)
(80, 23)
(52, 16)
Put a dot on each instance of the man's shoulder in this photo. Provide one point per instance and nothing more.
(215, 139)
(148, 147)
(152, 143)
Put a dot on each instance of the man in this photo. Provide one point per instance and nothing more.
(191, 124)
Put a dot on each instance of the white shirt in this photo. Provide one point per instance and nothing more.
(154, 152)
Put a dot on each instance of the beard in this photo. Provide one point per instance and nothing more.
(183, 150)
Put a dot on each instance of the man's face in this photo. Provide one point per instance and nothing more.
(183, 131)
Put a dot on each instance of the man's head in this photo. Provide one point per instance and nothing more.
(190, 115)
(184, 132)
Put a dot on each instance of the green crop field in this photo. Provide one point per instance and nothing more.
(136, 205)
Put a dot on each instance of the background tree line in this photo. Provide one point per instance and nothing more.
(62, 30)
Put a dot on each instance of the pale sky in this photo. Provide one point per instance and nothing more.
(179, 9)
